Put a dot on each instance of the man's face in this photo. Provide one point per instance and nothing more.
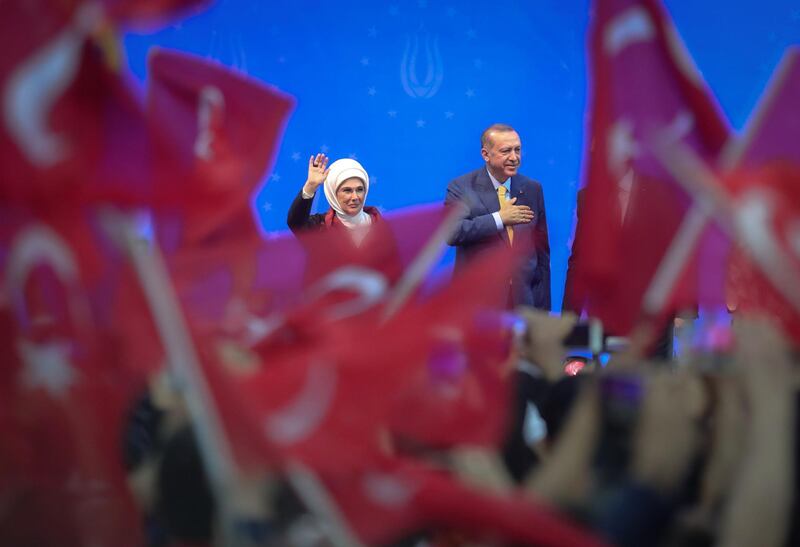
(350, 195)
(503, 154)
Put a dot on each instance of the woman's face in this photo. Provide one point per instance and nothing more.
(350, 195)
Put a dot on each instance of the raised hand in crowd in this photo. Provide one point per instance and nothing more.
(726, 444)
(758, 513)
(480, 468)
(543, 343)
(724, 415)
(566, 478)
(666, 437)
(317, 172)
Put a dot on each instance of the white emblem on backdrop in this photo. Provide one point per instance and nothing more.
(431, 65)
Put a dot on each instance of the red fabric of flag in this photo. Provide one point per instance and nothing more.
(73, 131)
(766, 203)
(461, 394)
(394, 497)
(643, 88)
(766, 266)
(218, 132)
(66, 386)
(150, 14)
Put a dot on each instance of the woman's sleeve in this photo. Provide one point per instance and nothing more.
(299, 214)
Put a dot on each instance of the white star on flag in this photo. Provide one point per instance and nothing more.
(296, 156)
(392, 113)
(470, 93)
(449, 115)
(267, 207)
(275, 176)
(365, 61)
(420, 123)
(47, 366)
(372, 32)
(324, 149)
(371, 91)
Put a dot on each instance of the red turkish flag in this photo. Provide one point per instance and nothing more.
(323, 403)
(289, 305)
(644, 88)
(240, 284)
(231, 287)
(150, 14)
(66, 386)
(331, 374)
(461, 394)
(218, 132)
(766, 267)
(72, 131)
(394, 497)
(765, 203)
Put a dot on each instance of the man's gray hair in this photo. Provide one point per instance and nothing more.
(495, 127)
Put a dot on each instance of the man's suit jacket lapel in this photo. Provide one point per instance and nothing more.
(488, 196)
(518, 192)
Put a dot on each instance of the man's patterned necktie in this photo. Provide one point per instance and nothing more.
(502, 196)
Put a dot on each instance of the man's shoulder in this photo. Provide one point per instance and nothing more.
(468, 178)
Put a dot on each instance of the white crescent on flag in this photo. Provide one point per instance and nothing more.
(302, 416)
(38, 83)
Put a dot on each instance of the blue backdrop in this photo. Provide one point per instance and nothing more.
(406, 87)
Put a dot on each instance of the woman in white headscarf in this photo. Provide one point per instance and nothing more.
(346, 185)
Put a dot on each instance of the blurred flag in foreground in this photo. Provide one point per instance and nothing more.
(637, 238)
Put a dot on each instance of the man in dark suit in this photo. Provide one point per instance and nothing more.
(635, 222)
(574, 296)
(503, 205)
